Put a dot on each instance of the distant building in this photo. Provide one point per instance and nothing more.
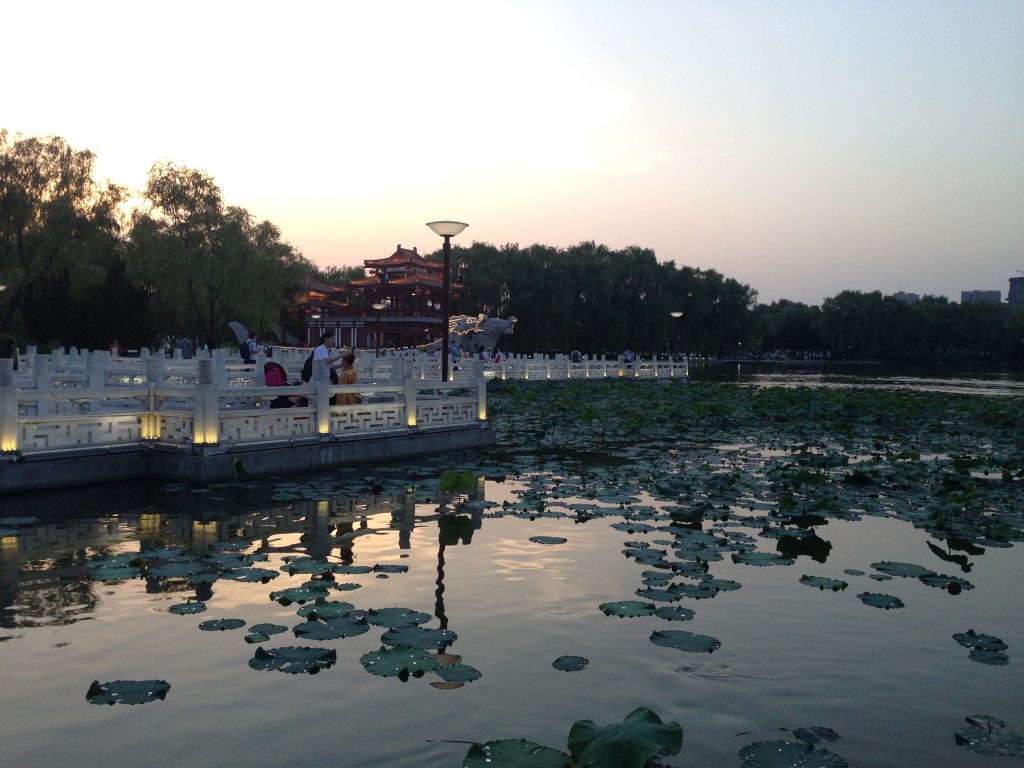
(1016, 292)
(906, 298)
(980, 297)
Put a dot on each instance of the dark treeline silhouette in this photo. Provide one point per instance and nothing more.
(82, 267)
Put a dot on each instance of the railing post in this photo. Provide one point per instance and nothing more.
(410, 403)
(261, 360)
(8, 408)
(151, 423)
(41, 370)
(97, 364)
(322, 383)
(206, 426)
(481, 398)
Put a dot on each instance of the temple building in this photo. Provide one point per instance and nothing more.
(398, 304)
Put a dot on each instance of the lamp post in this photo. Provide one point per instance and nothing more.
(447, 230)
(676, 314)
(315, 315)
(378, 306)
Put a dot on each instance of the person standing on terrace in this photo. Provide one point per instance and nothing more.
(348, 376)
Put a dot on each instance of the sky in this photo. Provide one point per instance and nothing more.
(801, 148)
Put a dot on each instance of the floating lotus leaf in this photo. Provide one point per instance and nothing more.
(627, 609)
(307, 565)
(788, 754)
(674, 613)
(685, 641)
(325, 609)
(399, 661)
(972, 639)
(721, 585)
(220, 625)
(853, 572)
(628, 527)
(127, 691)
(629, 744)
(952, 584)
(352, 570)
(294, 660)
(114, 573)
(254, 638)
(305, 593)
(700, 591)
(133, 559)
(990, 736)
(345, 586)
(390, 568)
(229, 560)
(514, 753)
(761, 558)
(659, 595)
(548, 540)
(824, 583)
(419, 637)
(230, 546)
(251, 575)
(332, 628)
(177, 570)
(183, 609)
(458, 673)
(570, 663)
(906, 570)
(396, 617)
(877, 600)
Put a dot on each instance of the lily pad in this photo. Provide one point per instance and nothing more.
(988, 735)
(332, 628)
(325, 609)
(686, 641)
(399, 661)
(294, 660)
(514, 753)
(570, 663)
(629, 744)
(823, 583)
(419, 637)
(396, 617)
(952, 584)
(761, 558)
(220, 625)
(972, 639)
(127, 691)
(183, 609)
(674, 613)
(788, 754)
(390, 568)
(548, 539)
(458, 673)
(877, 600)
(627, 609)
(906, 570)
(305, 593)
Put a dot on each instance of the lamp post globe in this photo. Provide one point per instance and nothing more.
(447, 230)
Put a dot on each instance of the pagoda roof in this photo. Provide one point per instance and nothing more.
(402, 257)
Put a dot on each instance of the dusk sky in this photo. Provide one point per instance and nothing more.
(802, 148)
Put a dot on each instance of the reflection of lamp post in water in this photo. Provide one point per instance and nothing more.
(447, 230)
(378, 306)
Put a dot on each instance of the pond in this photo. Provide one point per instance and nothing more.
(838, 570)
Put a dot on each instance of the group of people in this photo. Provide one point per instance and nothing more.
(345, 361)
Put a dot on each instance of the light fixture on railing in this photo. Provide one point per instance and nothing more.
(447, 230)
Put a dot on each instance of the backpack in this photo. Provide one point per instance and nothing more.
(307, 369)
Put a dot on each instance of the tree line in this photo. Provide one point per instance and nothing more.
(86, 262)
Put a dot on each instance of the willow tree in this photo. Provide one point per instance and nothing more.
(55, 220)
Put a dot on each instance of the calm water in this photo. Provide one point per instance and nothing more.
(892, 683)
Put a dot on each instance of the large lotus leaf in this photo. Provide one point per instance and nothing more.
(390, 568)
(700, 591)
(114, 573)
(815, 733)
(674, 613)
(250, 575)
(116, 561)
(907, 570)
(325, 609)
(177, 570)
(294, 660)
(307, 565)
(305, 593)
(548, 539)
(877, 600)
(396, 617)
(952, 584)
(514, 753)
(419, 637)
(685, 641)
(183, 609)
(127, 691)
(629, 744)
(788, 754)
(229, 560)
(990, 736)
(721, 585)
(823, 583)
(972, 639)
(399, 661)
(570, 663)
(331, 628)
(761, 558)
(352, 569)
(984, 656)
(627, 609)
(659, 595)
(219, 625)
(458, 673)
